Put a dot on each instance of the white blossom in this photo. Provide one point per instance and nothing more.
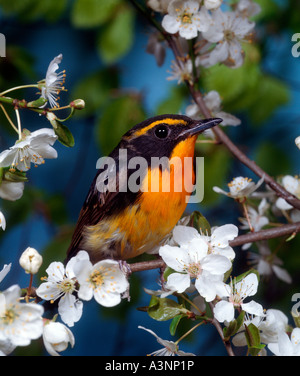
(218, 242)
(236, 293)
(287, 346)
(247, 8)
(292, 185)
(257, 218)
(57, 337)
(192, 261)
(19, 322)
(61, 284)
(104, 281)
(31, 260)
(11, 191)
(2, 221)
(181, 73)
(240, 187)
(266, 264)
(228, 30)
(170, 348)
(269, 325)
(213, 102)
(33, 148)
(53, 83)
(186, 18)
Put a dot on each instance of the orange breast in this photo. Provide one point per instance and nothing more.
(162, 207)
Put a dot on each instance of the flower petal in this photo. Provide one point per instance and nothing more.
(179, 282)
(224, 311)
(215, 264)
(221, 236)
(170, 24)
(175, 257)
(253, 308)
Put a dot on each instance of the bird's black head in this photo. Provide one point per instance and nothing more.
(158, 136)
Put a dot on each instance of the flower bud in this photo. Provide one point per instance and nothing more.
(56, 337)
(297, 142)
(31, 260)
(52, 118)
(78, 104)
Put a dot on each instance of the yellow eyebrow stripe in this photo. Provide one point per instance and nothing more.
(168, 121)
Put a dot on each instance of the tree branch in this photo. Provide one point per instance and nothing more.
(270, 233)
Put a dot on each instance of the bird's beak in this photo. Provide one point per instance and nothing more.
(199, 126)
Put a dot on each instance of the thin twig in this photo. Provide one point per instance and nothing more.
(18, 88)
(8, 118)
(19, 123)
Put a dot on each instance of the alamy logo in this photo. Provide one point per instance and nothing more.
(296, 46)
(162, 175)
(2, 45)
(295, 308)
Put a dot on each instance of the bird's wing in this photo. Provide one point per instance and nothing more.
(105, 198)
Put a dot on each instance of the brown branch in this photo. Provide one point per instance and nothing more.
(146, 265)
(270, 233)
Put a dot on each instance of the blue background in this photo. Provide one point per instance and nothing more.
(95, 333)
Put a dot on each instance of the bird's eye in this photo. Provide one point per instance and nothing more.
(162, 131)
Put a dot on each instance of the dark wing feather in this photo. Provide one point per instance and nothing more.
(95, 207)
(102, 203)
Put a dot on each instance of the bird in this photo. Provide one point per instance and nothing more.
(122, 217)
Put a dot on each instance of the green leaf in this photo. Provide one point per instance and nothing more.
(167, 272)
(64, 134)
(233, 326)
(253, 339)
(229, 330)
(116, 38)
(174, 324)
(91, 13)
(37, 103)
(118, 117)
(200, 223)
(162, 309)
